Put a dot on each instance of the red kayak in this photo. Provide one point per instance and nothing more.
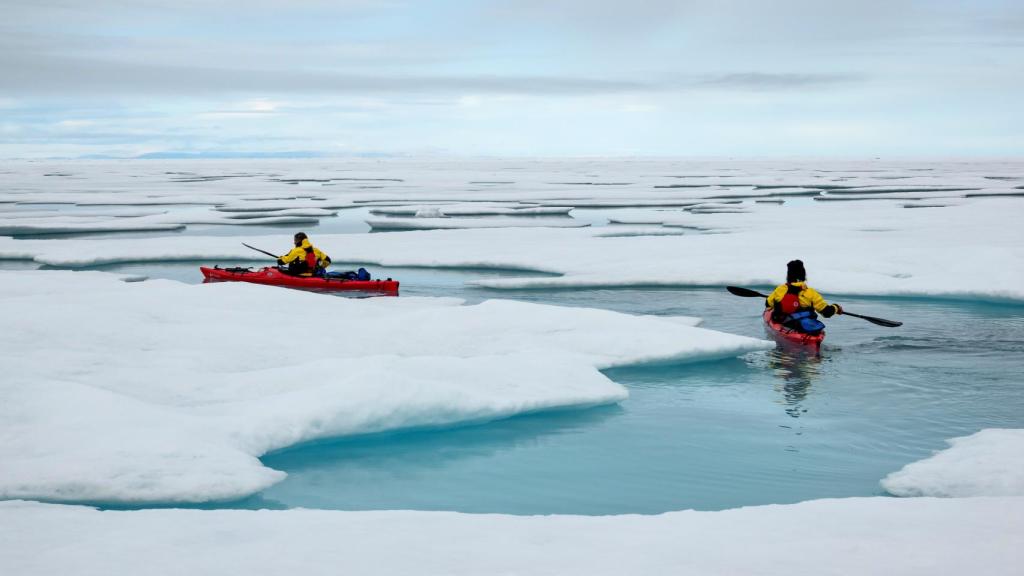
(275, 277)
(788, 335)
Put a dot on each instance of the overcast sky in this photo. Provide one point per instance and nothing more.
(736, 78)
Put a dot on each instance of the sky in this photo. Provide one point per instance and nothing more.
(695, 78)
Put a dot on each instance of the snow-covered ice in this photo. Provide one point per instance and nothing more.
(162, 392)
(472, 209)
(864, 248)
(187, 385)
(912, 537)
(427, 222)
(988, 463)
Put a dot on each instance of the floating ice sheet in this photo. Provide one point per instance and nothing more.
(988, 463)
(972, 249)
(472, 209)
(432, 223)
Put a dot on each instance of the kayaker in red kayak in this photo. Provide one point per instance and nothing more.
(304, 259)
(794, 303)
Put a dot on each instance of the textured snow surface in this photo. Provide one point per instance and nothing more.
(160, 391)
(428, 221)
(849, 248)
(472, 209)
(988, 463)
(921, 537)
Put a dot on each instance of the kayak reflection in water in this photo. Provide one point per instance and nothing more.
(797, 368)
(794, 304)
(304, 259)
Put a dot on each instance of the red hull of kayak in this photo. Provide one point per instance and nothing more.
(274, 277)
(788, 335)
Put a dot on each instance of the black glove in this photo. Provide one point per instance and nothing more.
(831, 310)
(280, 262)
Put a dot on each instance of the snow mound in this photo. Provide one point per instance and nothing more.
(164, 392)
(988, 463)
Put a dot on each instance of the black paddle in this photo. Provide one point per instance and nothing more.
(274, 256)
(747, 293)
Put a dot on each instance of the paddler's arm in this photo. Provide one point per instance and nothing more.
(827, 310)
(292, 256)
(323, 257)
(775, 296)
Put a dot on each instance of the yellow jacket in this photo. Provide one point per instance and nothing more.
(809, 297)
(299, 254)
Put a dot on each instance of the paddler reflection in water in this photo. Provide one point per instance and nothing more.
(796, 370)
(305, 259)
(794, 304)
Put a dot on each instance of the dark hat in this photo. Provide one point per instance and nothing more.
(795, 271)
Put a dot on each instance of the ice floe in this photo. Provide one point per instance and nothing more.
(164, 392)
(906, 537)
(567, 183)
(988, 463)
(472, 209)
(852, 248)
(427, 222)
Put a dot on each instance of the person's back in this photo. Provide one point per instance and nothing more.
(304, 259)
(794, 304)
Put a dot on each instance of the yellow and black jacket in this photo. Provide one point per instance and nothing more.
(808, 297)
(297, 257)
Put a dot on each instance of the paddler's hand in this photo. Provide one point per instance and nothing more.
(831, 310)
(280, 262)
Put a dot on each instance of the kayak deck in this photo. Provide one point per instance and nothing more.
(788, 335)
(274, 277)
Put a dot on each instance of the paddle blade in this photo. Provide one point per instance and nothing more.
(873, 320)
(745, 292)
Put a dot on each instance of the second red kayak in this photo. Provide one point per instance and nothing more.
(788, 335)
(274, 277)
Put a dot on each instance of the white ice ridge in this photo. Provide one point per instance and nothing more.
(838, 537)
(160, 391)
(972, 249)
(988, 463)
(60, 222)
(471, 209)
(428, 222)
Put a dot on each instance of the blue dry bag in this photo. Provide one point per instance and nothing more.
(808, 321)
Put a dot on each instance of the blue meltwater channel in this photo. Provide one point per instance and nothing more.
(770, 427)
